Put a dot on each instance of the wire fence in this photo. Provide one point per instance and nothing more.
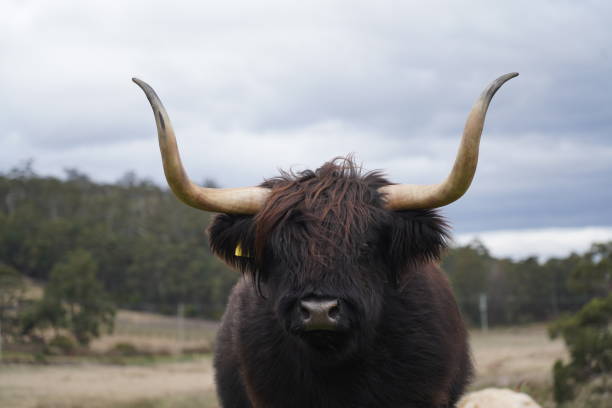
(156, 332)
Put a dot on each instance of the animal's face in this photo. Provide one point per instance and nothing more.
(324, 253)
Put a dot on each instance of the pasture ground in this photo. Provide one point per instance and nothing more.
(518, 358)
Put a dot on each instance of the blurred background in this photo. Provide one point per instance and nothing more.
(109, 296)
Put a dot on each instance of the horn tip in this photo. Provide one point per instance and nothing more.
(507, 77)
(146, 88)
(488, 93)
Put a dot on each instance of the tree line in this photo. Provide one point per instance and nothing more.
(526, 290)
(147, 251)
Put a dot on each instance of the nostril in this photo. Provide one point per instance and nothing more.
(333, 312)
(304, 312)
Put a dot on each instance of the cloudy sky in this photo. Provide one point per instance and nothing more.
(254, 86)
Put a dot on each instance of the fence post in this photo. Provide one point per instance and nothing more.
(484, 318)
(180, 322)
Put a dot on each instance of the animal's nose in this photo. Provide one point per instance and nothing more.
(317, 314)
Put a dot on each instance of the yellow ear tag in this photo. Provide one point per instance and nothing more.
(239, 252)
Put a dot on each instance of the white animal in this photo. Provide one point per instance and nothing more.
(497, 398)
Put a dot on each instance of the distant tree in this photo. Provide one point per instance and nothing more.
(468, 268)
(12, 291)
(563, 298)
(128, 179)
(588, 338)
(500, 294)
(39, 315)
(592, 275)
(73, 300)
(74, 175)
(532, 291)
(23, 170)
(12, 287)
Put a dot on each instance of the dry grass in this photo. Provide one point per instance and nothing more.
(90, 385)
(519, 357)
(514, 356)
(157, 333)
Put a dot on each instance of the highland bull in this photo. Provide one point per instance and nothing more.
(341, 303)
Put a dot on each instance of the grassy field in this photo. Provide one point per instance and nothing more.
(518, 358)
(159, 333)
(187, 384)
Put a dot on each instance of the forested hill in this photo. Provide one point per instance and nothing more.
(151, 250)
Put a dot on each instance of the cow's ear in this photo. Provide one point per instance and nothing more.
(416, 236)
(232, 239)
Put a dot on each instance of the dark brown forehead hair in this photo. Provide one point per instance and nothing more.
(328, 217)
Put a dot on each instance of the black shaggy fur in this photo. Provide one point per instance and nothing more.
(326, 234)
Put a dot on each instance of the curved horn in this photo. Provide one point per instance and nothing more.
(411, 196)
(246, 200)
